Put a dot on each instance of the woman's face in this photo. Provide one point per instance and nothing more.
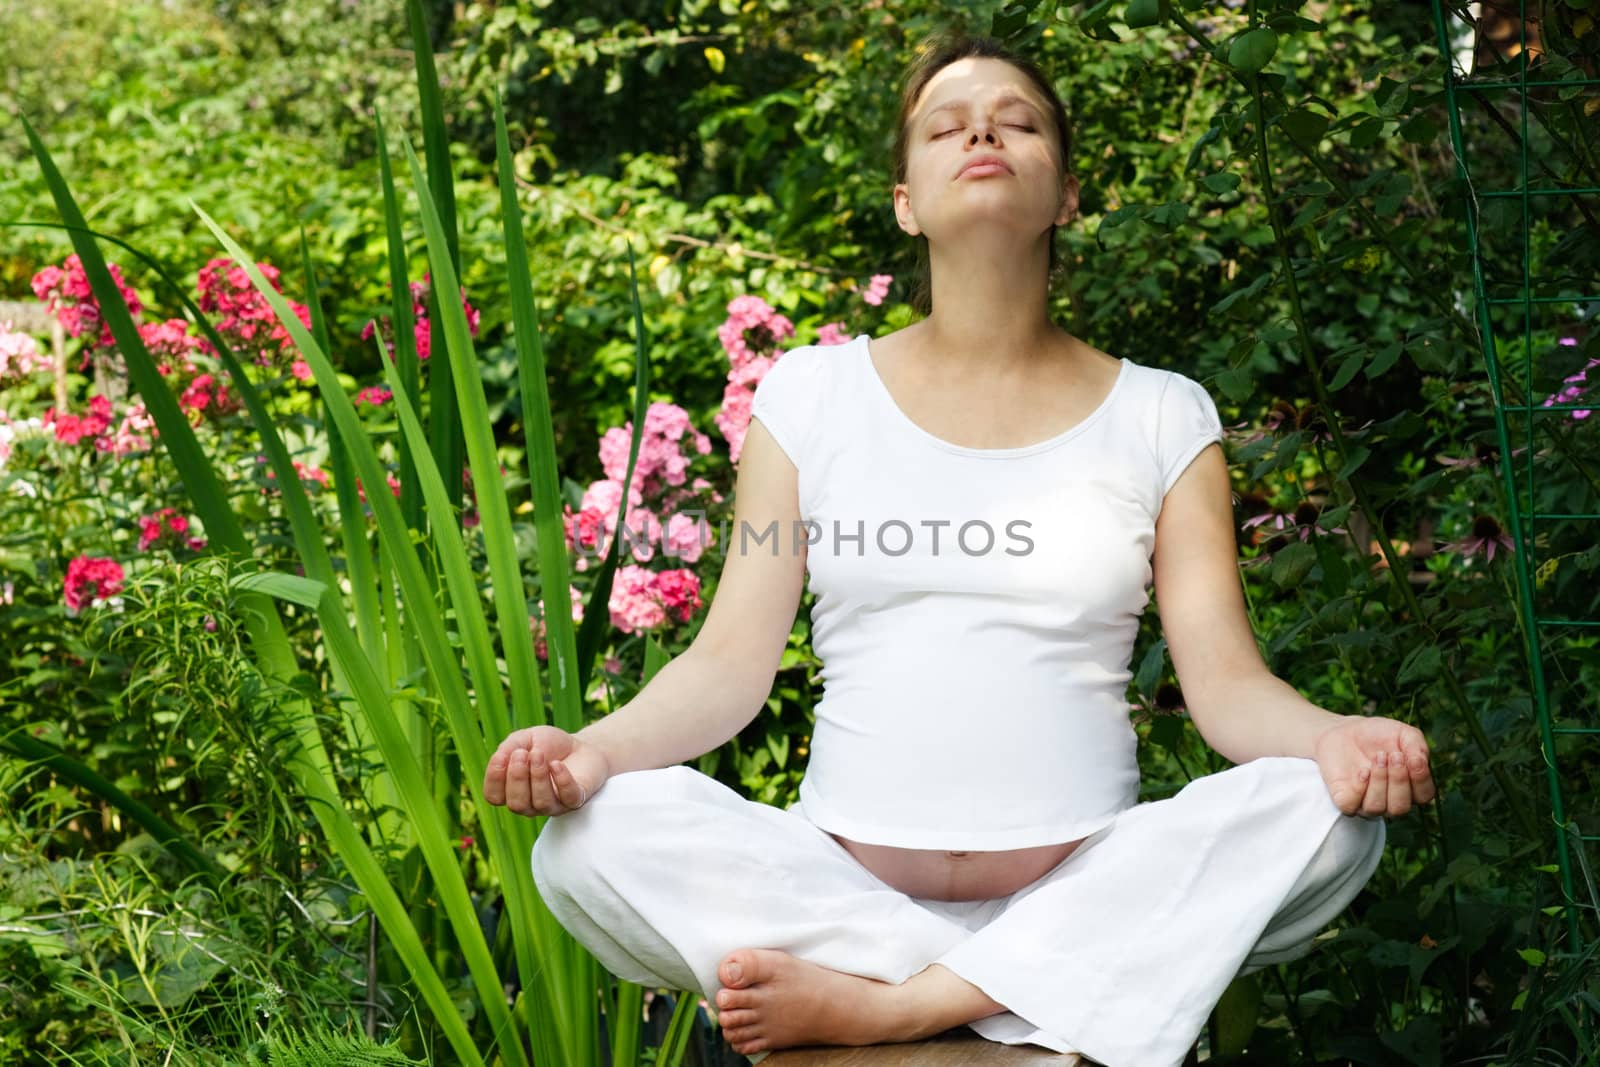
(982, 107)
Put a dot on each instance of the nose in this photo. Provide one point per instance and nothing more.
(986, 131)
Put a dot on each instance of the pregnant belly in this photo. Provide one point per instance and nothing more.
(932, 874)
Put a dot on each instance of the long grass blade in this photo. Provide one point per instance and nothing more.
(538, 430)
(596, 615)
(400, 320)
(446, 436)
(510, 599)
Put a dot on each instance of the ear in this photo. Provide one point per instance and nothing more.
(1069, 200)
(902, 210)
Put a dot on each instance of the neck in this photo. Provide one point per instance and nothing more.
(989, 308)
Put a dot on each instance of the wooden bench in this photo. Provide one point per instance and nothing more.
(953, 1048)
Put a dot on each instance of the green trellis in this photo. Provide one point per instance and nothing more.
(1558, 622)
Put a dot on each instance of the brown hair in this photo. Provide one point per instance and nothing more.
(936, 53)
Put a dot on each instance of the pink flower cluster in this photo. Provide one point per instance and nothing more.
(66, 292)
(419, 319)
(877, 289)
(832, 333)
(172, 346)
(19, 354)
(306, 472)
(375, 395)
(1573, 389)
(200, 393)
(167, 527)
(657, 489)
(246, 321)
(642, 599)
(205, 395)
(750, 335)
(91, 581)
(101, 428)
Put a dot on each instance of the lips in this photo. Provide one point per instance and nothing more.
(979, 161)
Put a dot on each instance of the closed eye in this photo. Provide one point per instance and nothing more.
(1014, 126)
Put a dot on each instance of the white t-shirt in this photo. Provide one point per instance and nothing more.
(975, 609)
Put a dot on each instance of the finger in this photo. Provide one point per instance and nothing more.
(567, 787)
(1421, 778)
(1377, 801)
(545, 801)
(517, 795)
(494, 779)
(1399, 785)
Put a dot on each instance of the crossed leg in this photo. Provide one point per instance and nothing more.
(667, 877)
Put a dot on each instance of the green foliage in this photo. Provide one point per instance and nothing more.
(329, 1049)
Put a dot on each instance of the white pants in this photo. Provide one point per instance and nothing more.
(1119, 953)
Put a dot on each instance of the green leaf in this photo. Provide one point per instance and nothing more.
(1221, 182)
(1169, 215)
(1387, 356)
(1291, 563)
(296, 590)
(1151, 667)
(1531, 956)
(1236, 383)
(1305, 127)
(1253, 50)
(1142, 13)
(1235, 1015)
(1421, 664)
(1366, 133)
(1349, 368)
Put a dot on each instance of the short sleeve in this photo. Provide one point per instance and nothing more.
(1187, 423)
(786, 399)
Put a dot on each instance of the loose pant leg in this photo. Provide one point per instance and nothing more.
(1122, 951)
(666, 871)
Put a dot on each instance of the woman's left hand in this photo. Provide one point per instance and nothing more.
(1374, 767)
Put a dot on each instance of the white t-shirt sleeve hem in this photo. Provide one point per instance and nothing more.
(1189, 422)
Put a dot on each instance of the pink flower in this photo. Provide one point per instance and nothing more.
(157, 526)
(302, 370)
(172, 346)
(243, 315)
(1486, 535)
(19, 353)
(679, 591)
(635, 604)
(877, 289)
(833, 333)
(661, 461)
(66, 292)
(375, 395)
(91, 580)
(421, 331)
(752, 328)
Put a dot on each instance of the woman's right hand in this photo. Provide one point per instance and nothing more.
(544, 770)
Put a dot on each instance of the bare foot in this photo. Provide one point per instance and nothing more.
(779, 1001)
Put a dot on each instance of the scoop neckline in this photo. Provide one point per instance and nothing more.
(905, 420)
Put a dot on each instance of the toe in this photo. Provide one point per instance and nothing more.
(734, 1020)
(741, 968)
(732, 998)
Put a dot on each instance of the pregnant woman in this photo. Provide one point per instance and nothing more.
(981, 503)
